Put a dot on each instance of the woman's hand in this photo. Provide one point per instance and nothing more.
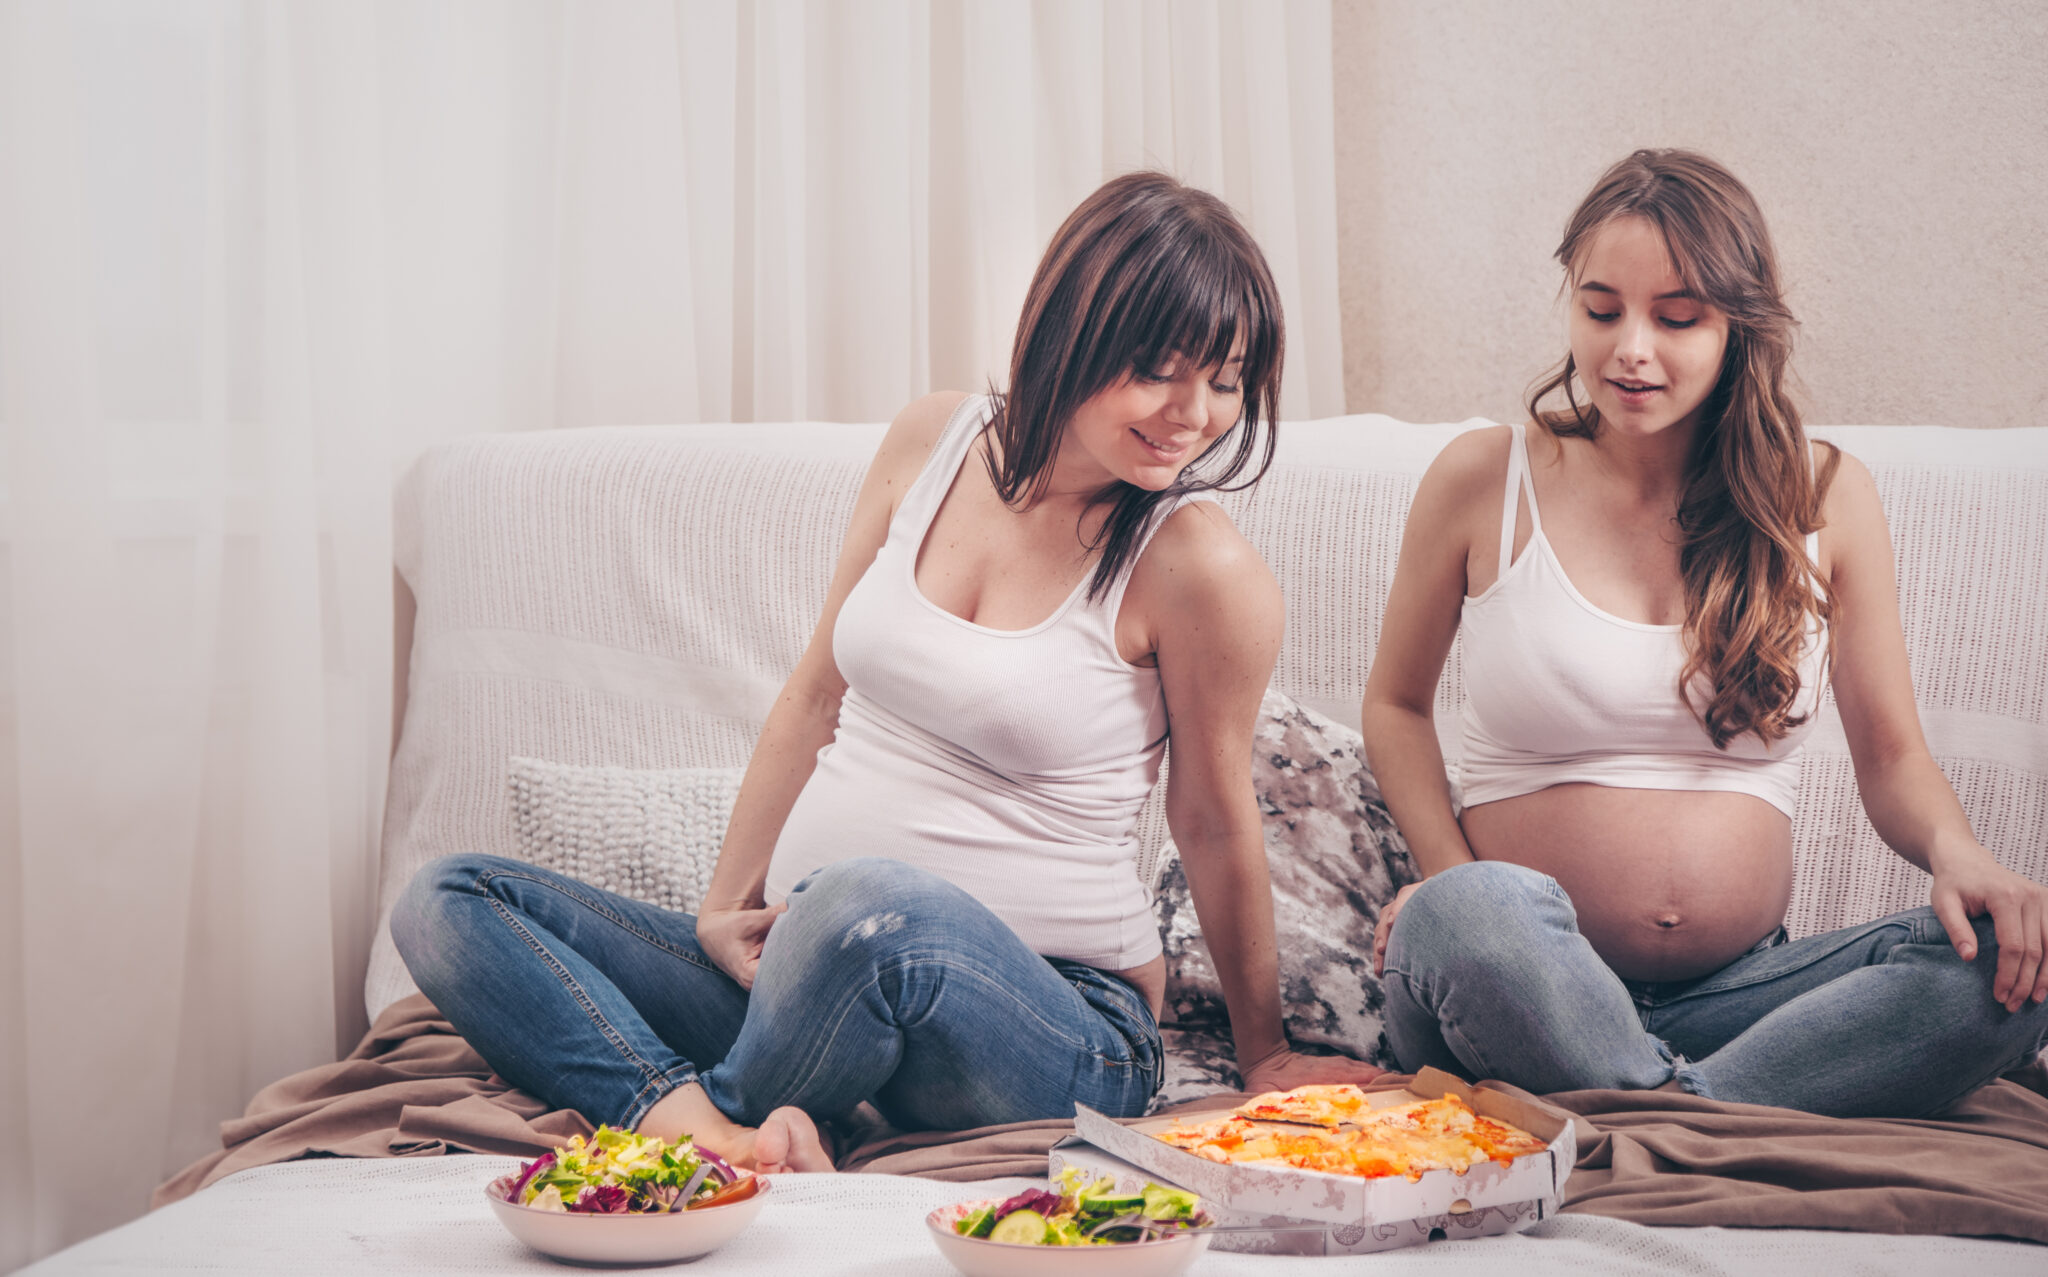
(732, 938)
(1283, 1070)
(1385, 927)
(1972, 885)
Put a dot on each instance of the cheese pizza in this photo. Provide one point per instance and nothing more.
(1309, 1105)
(1406, 1139)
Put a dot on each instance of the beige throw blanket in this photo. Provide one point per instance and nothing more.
(414, 1088)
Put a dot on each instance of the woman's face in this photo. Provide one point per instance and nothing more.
(1647, 350)
(1146, 428)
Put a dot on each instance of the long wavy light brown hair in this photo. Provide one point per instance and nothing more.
(1144, 272)
(1750, 494)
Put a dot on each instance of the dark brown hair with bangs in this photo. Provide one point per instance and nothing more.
(1750, 495)
(1144, 272)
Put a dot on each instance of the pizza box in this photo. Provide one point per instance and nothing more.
(1390, 1210)
(1271, 1234)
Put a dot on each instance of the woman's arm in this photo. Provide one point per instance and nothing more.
(1216, 616)
(734, 919)
(1398, 716)
(1909, 801)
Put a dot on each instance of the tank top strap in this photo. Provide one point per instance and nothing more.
(928, 491)
(1518, 480)
(1113, 598)
(1813, 537)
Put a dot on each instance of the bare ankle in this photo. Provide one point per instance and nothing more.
(688, 1111)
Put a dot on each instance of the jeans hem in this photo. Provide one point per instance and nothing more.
(1683, 1071)
(653, 1093)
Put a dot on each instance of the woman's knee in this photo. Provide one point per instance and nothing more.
(421, 920)
(1967, 984)
(869, 905)
(1476, 909)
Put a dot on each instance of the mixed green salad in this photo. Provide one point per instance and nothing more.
(619, 1173)
(1081, 1214)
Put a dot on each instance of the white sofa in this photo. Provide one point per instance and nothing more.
(634, 597)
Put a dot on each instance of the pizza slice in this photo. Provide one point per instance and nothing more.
(1323, 1105)
(1240, 1141)
(1441, 1133)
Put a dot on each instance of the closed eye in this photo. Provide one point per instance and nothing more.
(1599, 318)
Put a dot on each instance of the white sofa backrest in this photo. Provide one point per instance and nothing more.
(635, 597)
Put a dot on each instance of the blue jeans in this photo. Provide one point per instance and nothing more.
(881, 982)
(1487, 975)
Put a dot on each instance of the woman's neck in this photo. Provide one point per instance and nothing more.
(1651, 466)
(1073, 497)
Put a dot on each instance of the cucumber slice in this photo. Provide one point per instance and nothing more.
(1110, 1203)
(1021, 1227)
(977, 1224)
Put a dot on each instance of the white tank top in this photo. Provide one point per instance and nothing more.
(1559, 691)
(1011, 763)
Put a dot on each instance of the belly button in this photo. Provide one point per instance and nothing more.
(1668, 920)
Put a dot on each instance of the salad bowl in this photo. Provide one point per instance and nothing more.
(983, 1257)
(662, 1238)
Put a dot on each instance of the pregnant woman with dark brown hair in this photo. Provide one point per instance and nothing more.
(927, 897)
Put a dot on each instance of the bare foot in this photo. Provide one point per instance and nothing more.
(788, 1140)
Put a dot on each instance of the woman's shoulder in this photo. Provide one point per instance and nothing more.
(1851, 512)
(1848, 491)
(1467, 478)
(1202, 582)
(1473, 462)
(918, 427)
(907, 444)
(926, 416)
(1199, 550)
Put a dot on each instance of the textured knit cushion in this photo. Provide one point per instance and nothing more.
(1335, 860)
(649, 835)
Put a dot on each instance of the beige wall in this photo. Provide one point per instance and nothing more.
(1900, 151)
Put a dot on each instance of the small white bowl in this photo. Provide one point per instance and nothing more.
(625, 1239)
(980, 1257)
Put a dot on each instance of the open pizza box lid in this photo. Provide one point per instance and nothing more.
(1349, 1199)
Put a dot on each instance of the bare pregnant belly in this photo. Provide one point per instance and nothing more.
(1668, 884)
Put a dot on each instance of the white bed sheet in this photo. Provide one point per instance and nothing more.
(429, 1216)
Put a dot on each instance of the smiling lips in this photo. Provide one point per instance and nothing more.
(1162, 451)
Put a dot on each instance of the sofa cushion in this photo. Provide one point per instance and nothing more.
(650, 835)
(1335, 860)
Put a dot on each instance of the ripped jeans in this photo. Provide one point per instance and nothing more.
(881, 983)
(1488, 976)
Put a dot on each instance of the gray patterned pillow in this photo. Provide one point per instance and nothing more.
(1335, 860)
(652, 835)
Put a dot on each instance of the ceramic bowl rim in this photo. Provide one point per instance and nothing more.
(494, 1192)
(931, 1221)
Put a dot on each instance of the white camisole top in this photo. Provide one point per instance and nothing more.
(1559, 691)
(1011, 763)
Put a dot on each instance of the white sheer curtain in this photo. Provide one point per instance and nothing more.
(645, 212)
(254, 256)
